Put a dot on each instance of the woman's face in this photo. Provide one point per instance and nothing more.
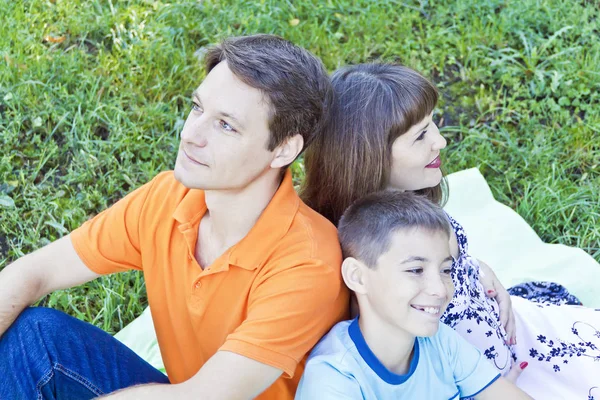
(416, 157)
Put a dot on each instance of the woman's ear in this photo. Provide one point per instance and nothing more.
(353, 272)
(286, 152)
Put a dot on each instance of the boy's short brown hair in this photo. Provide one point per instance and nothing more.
(366, 227)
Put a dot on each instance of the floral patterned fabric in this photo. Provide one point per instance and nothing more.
(560, 341)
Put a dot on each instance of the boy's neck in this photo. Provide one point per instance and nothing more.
(392, 346)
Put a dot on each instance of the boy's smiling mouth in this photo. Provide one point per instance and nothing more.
(432, 310)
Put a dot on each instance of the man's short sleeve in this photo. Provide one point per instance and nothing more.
(472, 371)
(110, 242)
(323, 381)
(288, 313)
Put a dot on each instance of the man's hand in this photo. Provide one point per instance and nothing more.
(226, 376)
(55, 266)
(494, 289)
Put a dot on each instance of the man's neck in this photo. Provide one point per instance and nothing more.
(393, 347)
(233, 213)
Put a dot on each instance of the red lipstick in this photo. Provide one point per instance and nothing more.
(436, 163)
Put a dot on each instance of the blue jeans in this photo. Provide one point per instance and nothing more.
(47, 354)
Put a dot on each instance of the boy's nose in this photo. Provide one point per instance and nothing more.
(436, 286)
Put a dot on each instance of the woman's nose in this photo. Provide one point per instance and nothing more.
(439, 142)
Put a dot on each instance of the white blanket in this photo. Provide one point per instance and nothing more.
(501, 238)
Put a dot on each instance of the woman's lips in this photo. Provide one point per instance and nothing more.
(436, 163)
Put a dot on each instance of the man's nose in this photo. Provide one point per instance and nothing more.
(195, 131)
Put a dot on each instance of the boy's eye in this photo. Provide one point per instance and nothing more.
(422, 135)
(416, 271)
(226, 126)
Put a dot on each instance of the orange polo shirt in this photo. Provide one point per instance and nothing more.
(270, 297)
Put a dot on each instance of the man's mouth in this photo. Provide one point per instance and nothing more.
(436, 163)
(193, 159)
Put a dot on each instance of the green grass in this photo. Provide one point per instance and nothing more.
(93, 95)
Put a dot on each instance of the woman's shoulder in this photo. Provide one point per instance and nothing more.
(459, 239)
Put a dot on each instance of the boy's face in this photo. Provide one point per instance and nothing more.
(411, 287)
(224, 139)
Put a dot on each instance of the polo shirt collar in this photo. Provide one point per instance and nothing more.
(191, 208)
(272, 225)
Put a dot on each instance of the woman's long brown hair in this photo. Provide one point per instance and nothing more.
(373, 105)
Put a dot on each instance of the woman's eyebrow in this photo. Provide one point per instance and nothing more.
(422, 129)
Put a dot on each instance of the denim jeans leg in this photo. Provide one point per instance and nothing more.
(47, 354)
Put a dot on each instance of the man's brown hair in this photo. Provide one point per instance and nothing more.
(373, 105)
(294, 82)
(365, 230)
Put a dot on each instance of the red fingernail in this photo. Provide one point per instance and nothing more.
(490, 291)
(524, 364)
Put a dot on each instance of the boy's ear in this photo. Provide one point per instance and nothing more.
(286, 152)
(353, 272)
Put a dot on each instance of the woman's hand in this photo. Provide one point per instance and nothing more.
(494, 289)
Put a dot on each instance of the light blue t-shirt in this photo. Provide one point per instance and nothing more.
(444, 366)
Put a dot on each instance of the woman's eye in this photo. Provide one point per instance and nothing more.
(447, 271)
(226, 126)
(422, 135)
(196, 107)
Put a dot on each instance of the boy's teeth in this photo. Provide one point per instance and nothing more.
(429, 310)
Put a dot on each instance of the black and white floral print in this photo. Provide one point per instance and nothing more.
(558, 338)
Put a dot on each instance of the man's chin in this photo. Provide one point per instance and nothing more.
(184, 178)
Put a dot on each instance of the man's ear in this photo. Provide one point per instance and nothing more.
(286, 152)
(354, 274)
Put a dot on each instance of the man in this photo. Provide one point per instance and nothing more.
(242, 277)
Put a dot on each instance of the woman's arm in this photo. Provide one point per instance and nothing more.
(493, 288)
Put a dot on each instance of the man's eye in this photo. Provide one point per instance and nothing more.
(226, 126)
(422, 135)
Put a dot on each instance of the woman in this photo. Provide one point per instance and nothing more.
(381, 134)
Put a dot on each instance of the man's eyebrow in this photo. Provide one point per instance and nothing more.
(237, 121)
(232, 117)
(413, 258)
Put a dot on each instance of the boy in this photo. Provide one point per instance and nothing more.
(398, 263)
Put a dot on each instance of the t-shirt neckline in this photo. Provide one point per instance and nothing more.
(374, 363)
